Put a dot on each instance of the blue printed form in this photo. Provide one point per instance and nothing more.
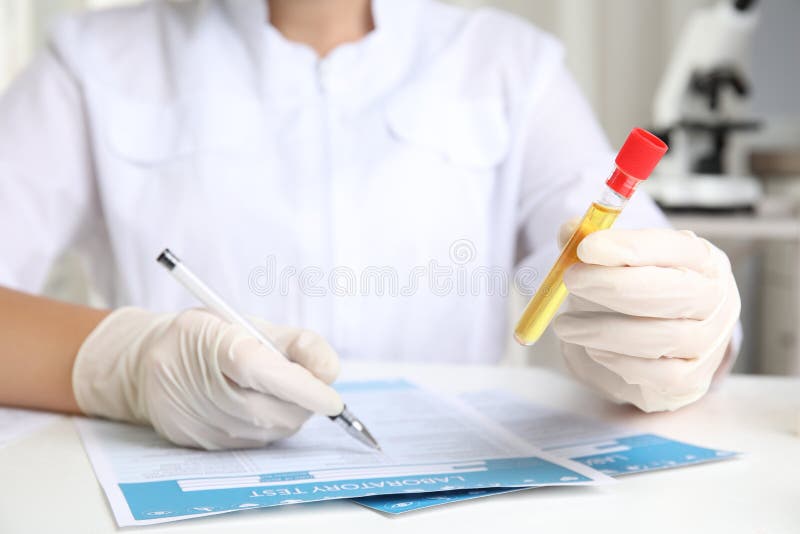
(430, 444)
(612, 450)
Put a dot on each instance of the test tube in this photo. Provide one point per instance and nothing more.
(637, 158)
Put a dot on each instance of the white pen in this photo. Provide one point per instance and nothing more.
(214, 302)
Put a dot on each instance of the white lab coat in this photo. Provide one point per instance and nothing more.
(296, 186)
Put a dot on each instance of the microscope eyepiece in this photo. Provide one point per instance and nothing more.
(744, 5)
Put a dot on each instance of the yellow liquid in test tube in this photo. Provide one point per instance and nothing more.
(545, 303)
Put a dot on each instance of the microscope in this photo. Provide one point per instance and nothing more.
(699, 109)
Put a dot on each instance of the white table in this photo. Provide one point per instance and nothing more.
(47, 484)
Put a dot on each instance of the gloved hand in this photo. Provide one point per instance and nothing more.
(650, 315)
(203, 382)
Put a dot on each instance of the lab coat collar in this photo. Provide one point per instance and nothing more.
(376, 63)
(386, 14)
(383, 53)
(248, 18)
(251, 16)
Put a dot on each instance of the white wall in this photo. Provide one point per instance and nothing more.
(776, 51)
(15, 37)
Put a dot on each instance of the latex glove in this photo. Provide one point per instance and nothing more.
(203, 382)
(650, 315)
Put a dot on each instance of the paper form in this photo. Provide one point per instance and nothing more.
(612, 450)
(430, 443)
(16, 423)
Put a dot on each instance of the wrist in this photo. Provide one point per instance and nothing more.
(107, 369)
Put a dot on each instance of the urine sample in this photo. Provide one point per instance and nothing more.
(637, 158)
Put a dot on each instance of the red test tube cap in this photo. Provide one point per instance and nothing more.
(637, 158)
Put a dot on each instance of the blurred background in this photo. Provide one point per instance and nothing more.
(719, 79)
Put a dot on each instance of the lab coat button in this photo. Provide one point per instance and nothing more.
(329, 81)
(324, 75)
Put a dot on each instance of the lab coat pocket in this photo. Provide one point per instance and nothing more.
(441, 165)
(467, 132)
(189, 161)
(149, 134)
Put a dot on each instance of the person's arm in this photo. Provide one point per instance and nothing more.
(198, 380)
(47, 200)
(38, 344)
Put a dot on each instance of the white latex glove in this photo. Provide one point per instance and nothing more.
(650, 315)
(203, 382)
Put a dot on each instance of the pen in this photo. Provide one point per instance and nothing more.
(349, 422)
